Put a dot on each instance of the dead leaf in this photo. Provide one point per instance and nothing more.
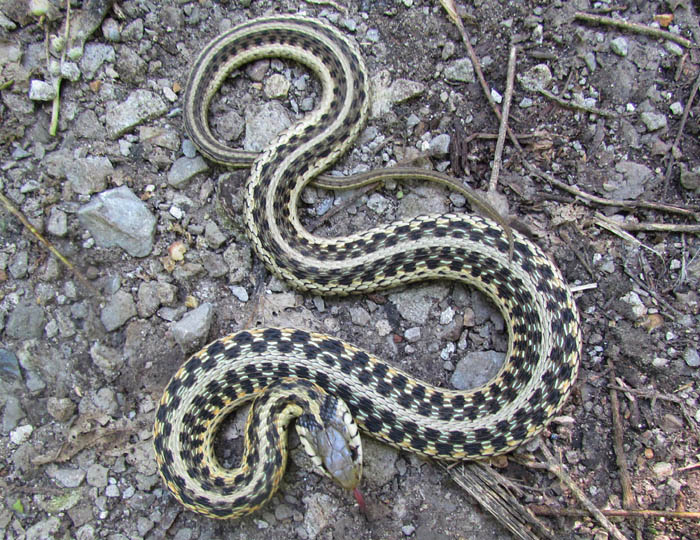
(652, 322)
(664, 19)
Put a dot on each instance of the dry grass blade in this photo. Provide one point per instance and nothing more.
(618, 230)
(48, 245)
(503, 128)
(557, 469)
(451, 10)
(633, 27)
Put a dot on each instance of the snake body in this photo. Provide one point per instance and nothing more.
(388, 404)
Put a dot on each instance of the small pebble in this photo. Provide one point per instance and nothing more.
(619, 46)
(21, 434)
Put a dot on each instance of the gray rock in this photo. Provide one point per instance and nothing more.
(276, 86)
(167, 293)
(89, 174)
(690, 179)
(631, 181)
(94, 55)
(378, 203)
(105, 400)
(60, 409)
(187, 271)
(372, 35)
(403, 89)
(19, 265)
(440, 145)
(213, 235)
(653, 120)
(239, 292)
(476, 368)
(133, 31)
(256, 71)
(57, 223)
(350, 24)
(131, 67)
(189, 149)
(97, 475)
(110, 29)
(414, 304)
(69, 477)
(691, 357)
(619, 46)
(359, 316)
(117, 217)
(26, 322)
(45, 529)
(264, 124)
(184, 169)
(42, 91)
(590, 60)
(21, 434)
(229, 125)
(119, 309)
(70, 71)
(165, 138)
(148, 301)
(88, 126)
(283, 511)
(536, 78)
(307, 104)
(191, 331)
(106, 358)
(482, 308)
(12, 414)
(412, 334)
(239, 259)
(215, 264)
(318, 514)
(140, 106)
(379, 462)
(460, 70)
(9, 366)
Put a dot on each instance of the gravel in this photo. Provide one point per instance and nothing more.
(157, 231)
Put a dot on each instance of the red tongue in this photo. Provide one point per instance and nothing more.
(360, 500)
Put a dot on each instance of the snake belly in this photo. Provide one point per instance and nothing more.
(386, 403)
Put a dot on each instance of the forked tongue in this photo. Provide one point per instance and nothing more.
(360, 501)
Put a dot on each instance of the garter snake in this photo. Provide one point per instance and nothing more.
(390, 405)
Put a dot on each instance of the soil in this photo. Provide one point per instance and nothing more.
(83, 366)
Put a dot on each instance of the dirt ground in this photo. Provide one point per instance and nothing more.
(83, 365)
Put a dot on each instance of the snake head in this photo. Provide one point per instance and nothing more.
(332, 441)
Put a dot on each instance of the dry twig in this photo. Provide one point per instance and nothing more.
(334, 5)
(618, 230)
(633, 27)
(675, 149)
(576, 106)
(654, 395)
(542, 510)
(622, 203)
(48, 245)
(661, 227)
(504, 121)
(557, 469)
(628, 500)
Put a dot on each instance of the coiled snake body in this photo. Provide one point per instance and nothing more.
(323, 380)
